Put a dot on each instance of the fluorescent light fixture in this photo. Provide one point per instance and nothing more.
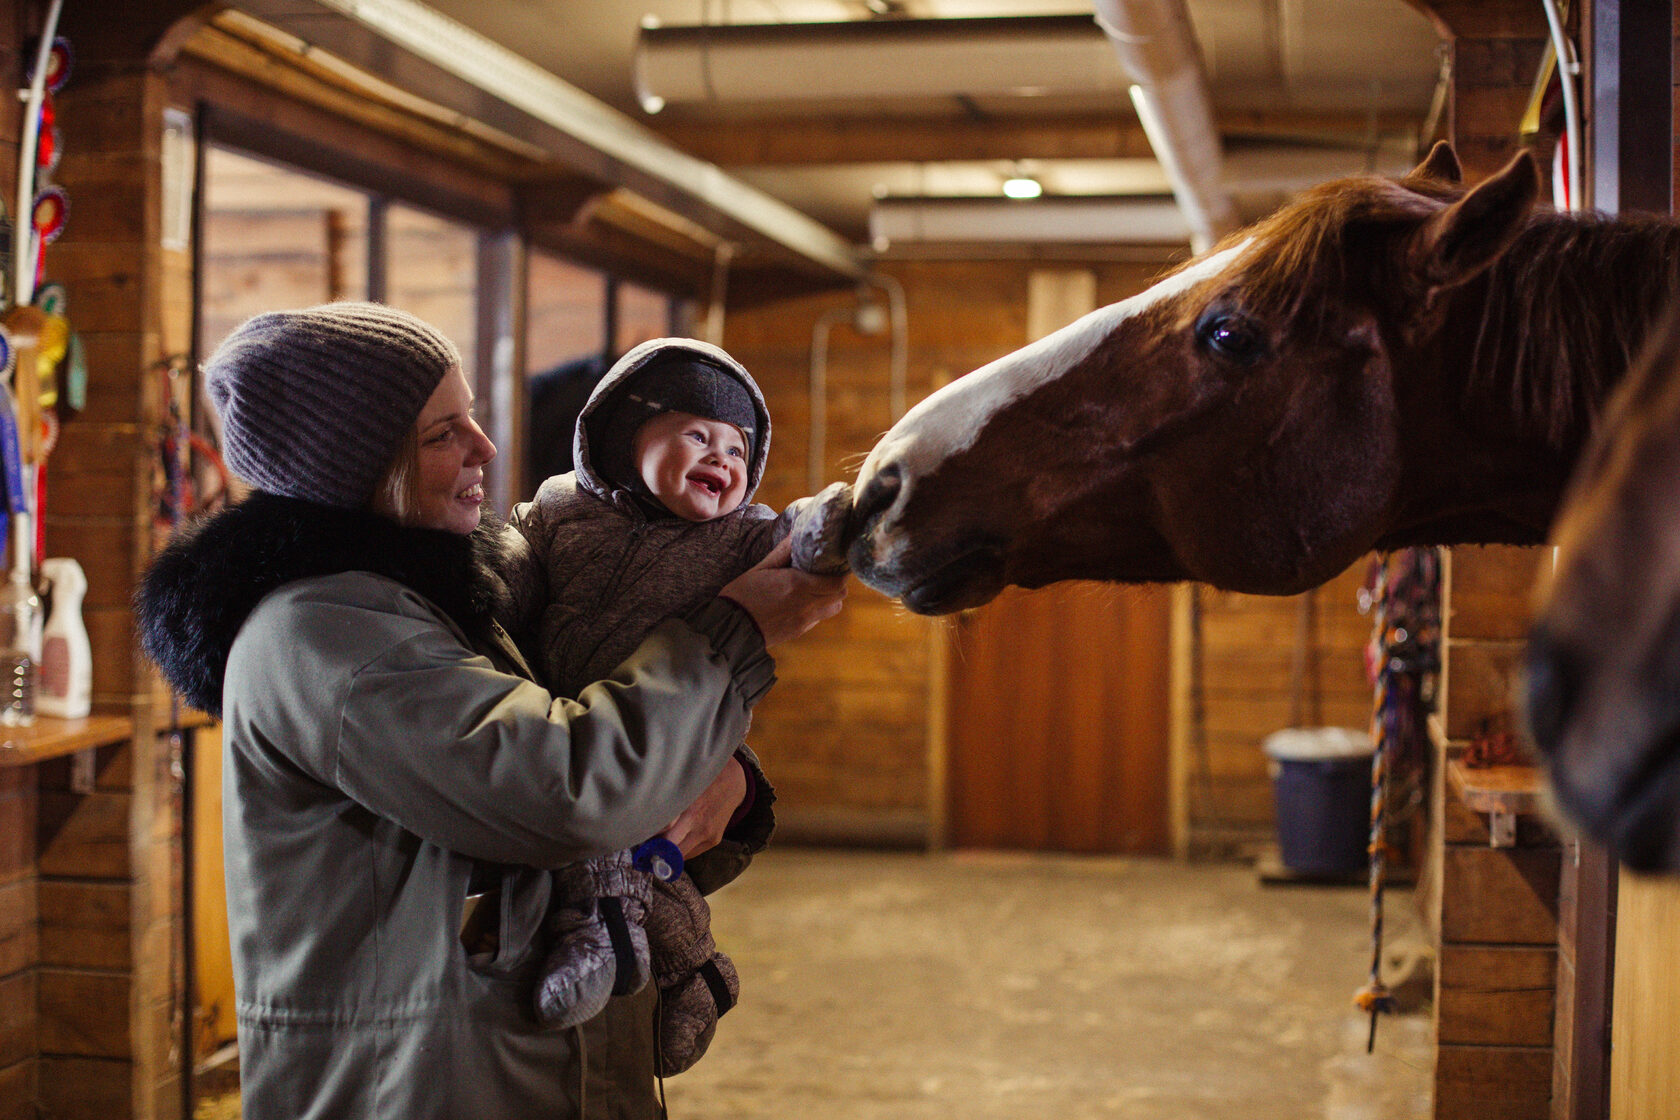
(877, 59)
(1022, 186)
(1053, 219)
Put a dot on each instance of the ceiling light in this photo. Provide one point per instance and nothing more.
(1051, 219)
(652, 103)
(1022, 186)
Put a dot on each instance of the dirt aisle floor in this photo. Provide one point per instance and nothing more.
(1001, 987)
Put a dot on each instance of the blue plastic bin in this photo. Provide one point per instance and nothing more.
(1321, 780)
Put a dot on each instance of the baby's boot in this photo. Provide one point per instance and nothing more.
(599, 946)
(697, 983)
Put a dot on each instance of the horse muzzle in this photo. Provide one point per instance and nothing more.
(1621, 783)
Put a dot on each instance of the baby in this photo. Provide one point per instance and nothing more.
(652, 523)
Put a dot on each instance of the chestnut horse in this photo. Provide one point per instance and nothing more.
(1604, 654)
(1380, 364)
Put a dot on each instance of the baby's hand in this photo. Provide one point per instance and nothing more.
(819, 533)
(700, 826)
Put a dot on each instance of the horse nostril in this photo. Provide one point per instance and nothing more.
(1552, 686)
(878, 494)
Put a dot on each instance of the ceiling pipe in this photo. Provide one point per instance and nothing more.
(1157, 47)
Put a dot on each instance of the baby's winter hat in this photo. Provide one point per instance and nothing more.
(674, 380)
(315, 403)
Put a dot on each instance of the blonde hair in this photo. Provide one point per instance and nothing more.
(398, 489)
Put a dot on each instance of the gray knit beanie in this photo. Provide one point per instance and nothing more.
(315, 403)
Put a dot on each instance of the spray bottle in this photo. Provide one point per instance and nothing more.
(66, 683)
(20, 632)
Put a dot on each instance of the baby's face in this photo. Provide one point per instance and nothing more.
(697, 468)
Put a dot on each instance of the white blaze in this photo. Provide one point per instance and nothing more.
(950, 420)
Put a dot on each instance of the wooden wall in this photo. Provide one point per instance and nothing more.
(1267, 663)
(111, 983)
(93, 998)
(1495, 909)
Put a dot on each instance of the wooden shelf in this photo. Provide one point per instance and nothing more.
(49, 738)
(1504, 793)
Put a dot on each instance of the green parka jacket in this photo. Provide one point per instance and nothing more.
(386, 757)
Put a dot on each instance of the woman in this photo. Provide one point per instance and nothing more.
(387, 755)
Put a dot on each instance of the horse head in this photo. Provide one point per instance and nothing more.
(1238, 423)
(1603, 660)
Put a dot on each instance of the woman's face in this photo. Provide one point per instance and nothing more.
(448, 484)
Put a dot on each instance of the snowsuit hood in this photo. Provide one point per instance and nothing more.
(621, 378)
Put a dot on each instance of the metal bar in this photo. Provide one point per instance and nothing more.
(1630, 133)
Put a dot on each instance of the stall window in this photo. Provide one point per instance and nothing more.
(568, 308)
(275, 237)
(431, 269)
(642, 314)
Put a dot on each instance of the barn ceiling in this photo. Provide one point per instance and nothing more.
(1301, 90)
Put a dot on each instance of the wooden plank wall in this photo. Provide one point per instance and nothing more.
(1495, 909)
(109, 970)
(1254, 649)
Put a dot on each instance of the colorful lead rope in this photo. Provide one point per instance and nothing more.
(1403, 660)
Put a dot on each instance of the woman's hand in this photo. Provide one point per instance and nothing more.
(700, 826)
(783, 602)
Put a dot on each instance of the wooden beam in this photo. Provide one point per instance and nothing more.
(296, 79)
(1480, 19)
(251, 115)
(112, 38)
(757, 141)
(557, 199)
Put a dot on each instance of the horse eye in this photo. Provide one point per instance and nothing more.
(1231, 336)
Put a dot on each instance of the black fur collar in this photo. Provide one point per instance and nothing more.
(200, 589)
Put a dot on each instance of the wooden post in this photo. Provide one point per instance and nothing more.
(1628, 87)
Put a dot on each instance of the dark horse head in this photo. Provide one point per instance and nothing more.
(1604, 655)
(1247, 422)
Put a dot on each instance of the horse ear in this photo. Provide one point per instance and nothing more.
(1441, 165)
(1459, 242)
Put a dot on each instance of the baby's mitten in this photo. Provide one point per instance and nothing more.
(697, 984)
(819, 531)
(600, 948)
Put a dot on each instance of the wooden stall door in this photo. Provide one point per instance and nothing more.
(1644, 1075)
(212, 954)
(1058, 721)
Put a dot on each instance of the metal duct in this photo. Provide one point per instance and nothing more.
(860, 60)
(1158, 49)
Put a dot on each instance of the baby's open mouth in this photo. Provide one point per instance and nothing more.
(711, 484)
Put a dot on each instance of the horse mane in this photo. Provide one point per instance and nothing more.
(1561, 323)
(1309, 248)
(1555, 326)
